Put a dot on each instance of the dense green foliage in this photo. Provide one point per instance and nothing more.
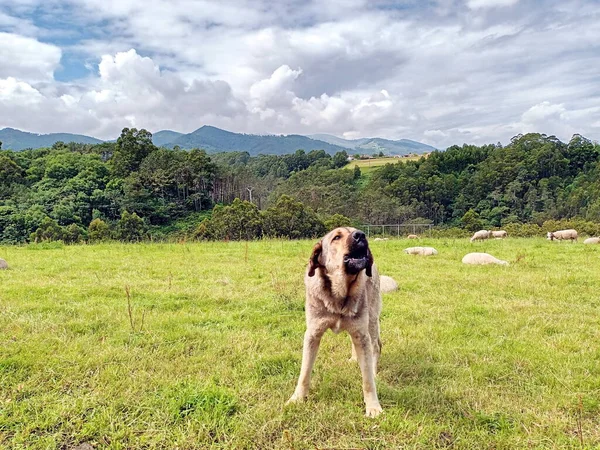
(533, 180)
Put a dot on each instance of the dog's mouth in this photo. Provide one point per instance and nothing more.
(357, 259)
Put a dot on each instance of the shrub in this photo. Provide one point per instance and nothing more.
(98, 230)
(49, 230)
(73, 234)
(337, 220)
(239, 221)
(471, 221)
(290, 218)
(130, 227)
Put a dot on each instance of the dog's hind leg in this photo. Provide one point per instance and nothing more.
(312, 340)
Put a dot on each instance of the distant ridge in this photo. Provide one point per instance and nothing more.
(164, 137)
(215, 140)
(375, 145)
(21, 140)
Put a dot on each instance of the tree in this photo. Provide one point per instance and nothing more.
(239, 221)
(130, 228)
(337, 220)
(290, 218)
(471, 221)
(131, 149)
(10, 171)
(340, 159)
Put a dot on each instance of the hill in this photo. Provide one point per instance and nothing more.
(371, 146)
(215, 140)
(165, 137)
(20, 140)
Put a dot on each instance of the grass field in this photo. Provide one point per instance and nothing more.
(473, 357)
(368, 164)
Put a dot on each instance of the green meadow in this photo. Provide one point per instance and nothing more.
(198, 345)
(372, 164)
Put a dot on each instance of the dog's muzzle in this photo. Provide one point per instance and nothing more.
(358, 257)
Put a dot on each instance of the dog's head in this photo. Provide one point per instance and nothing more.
(344, 248)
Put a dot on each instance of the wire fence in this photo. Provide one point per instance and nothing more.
(398, 230)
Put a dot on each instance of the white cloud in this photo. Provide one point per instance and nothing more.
(542, 111)
(482, 4)
(130, 91)
(18, 91)
(26, 58)
(474, 71)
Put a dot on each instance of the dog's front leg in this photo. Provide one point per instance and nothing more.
(312, 339)
(364, 352)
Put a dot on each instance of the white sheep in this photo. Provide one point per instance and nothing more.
(482, 258)
(422, 251)
(592, 240)
(380, 239)
(3, 264)
(412, 236)
(499, 234)
(481, 234)
(387, 284)
(562, 235)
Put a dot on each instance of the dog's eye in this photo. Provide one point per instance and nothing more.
(335, 238)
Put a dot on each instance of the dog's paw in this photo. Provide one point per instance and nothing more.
(373, 411)
(296, 398)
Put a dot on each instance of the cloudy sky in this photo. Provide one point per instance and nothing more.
(438, 71)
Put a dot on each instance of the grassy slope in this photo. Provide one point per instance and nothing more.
(482, 357)
(371, 164)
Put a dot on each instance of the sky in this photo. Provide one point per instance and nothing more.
(441, 72)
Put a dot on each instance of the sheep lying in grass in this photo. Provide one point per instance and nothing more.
(422, 251)
(380, 239)
(480, 235)
(412, 236)
(562, 235)
(499, 234)
(387, 284)
(592, 240)
(3, 264)
(482, 258)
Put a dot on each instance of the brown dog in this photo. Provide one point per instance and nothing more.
(342, 293)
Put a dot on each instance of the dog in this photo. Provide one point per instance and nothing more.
(342, 293)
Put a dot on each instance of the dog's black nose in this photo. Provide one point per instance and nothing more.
(358, 235)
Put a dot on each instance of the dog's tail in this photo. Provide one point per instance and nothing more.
(387, 284)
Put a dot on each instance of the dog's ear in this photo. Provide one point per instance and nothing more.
(369, 268)
(315, 259)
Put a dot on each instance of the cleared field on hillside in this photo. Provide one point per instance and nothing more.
(378, 162)
(473, 357)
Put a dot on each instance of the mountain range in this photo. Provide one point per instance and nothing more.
(215, 140)
(20, 140)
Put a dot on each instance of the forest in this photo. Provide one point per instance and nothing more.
(131, 190)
